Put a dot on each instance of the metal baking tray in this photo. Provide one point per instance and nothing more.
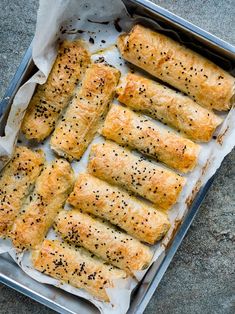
(11, 275)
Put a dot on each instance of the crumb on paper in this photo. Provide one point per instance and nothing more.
(220, 137)
(194, 192)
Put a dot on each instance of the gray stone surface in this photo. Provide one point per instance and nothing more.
(199, 279)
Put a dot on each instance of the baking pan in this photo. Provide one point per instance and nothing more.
(10, 274)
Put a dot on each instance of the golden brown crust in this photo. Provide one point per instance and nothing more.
(51, 191)
(168, 106)
(77, 267)
(114, 204)
(118, 165)
(179, 66)
(125, 127)
(102, 239)
(52, 97)
(77, 128)
(16, 181)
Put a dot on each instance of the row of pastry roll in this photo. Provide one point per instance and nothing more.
(103, 239)
(126, 127)
(16, 182)
(118, 165)
(51, 98)
(99, 209)
(112, 167)
(94, 196)
(170, 107)
(97, 197)
(180, 67)
(74, 113)
(32, 192)
(31, 196)
(108, 253)
(78, 126)
(72, 135)
(38, 194)
(38, 213)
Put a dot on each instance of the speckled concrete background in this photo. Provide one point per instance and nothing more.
(199, 280)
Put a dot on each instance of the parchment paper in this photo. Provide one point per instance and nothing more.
(72, 19)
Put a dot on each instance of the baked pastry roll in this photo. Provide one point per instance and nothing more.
(51, 191)
(138, 219)
(170, 61)
(16, 182)
(102, 239)
(77, 128)
(52, 97)
(117, 165)
(128, 128)
(77, 267)
(170, 107)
